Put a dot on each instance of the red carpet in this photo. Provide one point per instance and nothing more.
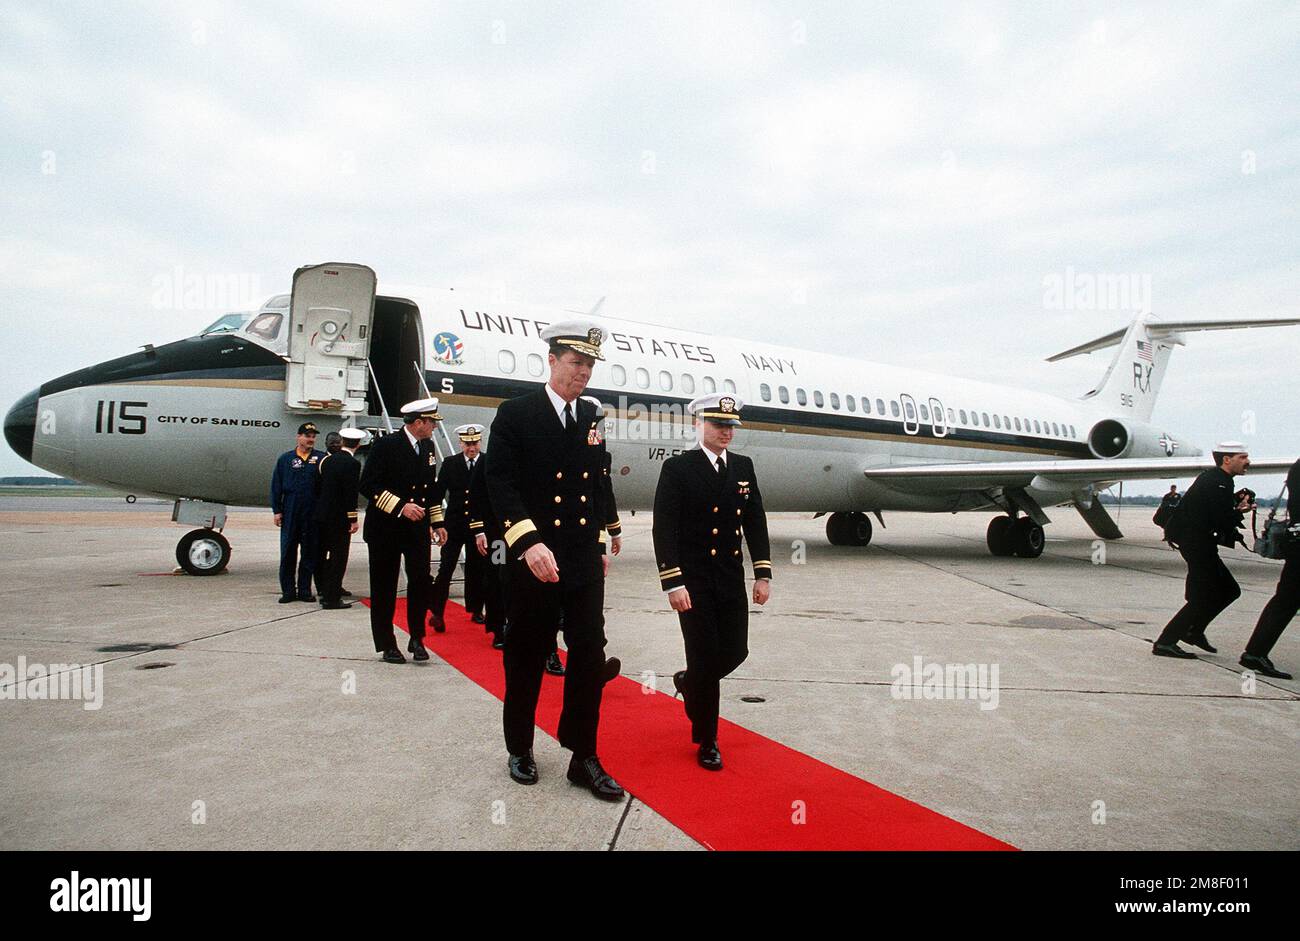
(768, 797)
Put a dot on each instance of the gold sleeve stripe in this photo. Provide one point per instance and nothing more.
(762, 563)
(523, 527)
(352, 514)
(387, 501)
(670, 573)
(475, 525)
(435, 515)
(617, 524)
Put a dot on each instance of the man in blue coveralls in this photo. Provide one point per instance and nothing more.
(293, 497)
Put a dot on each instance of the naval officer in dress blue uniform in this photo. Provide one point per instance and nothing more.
(1208, 516)
(454, 482)
(338, 476)
(293, 501)
(400, 480)
(706, 499)
(544, 480)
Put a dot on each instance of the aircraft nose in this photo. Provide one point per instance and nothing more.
(20, 425)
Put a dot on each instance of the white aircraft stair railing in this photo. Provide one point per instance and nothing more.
(383, 408)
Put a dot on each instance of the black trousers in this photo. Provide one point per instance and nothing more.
(332, 561)
(1277, 614)
(386, 557)
(1210, 589)
(535, 608)
(458, 539)
(494, 591)
(716, 632)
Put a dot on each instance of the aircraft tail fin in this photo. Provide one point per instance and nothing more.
(1133, 379)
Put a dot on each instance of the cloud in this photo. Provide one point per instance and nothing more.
(891, 181)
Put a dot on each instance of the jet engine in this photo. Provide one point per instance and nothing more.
(1116, 438)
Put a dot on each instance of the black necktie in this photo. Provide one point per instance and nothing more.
(722, 467)
(569, 422)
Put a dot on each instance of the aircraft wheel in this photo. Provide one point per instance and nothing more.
(1000, 535)
(203, 552)
(1028, 538)
(848, 529)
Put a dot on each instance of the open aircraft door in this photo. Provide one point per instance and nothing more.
(330, 326)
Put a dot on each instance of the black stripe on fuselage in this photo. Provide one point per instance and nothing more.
(497, 389)
(214, 357)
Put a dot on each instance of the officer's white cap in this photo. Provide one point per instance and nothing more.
(1230, 447)
(421, 408)
(722, 408)
(581, 336)
(353, 435)
(470, 433)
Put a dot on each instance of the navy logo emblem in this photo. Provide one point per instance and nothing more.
(593, 336)
(448, 349)
(727, 403)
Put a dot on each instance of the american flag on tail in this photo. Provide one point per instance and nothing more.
(1144, 351)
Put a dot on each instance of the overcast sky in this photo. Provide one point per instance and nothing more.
(898, 182)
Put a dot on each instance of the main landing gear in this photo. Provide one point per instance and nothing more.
(1018, 536)
(848, 529)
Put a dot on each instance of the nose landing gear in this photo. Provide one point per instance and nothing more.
(203, 552)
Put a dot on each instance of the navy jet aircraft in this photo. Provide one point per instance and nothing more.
(201, 421)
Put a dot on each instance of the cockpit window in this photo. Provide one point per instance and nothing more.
(266, 326)
(230, 323)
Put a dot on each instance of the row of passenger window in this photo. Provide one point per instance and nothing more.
(974, 419)
(687, 385)
(640, 378)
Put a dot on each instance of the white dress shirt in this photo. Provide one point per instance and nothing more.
(558, 404)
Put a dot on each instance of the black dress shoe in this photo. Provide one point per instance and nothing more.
(1200, 640)
(554, 666)
(438, 623)
(393, 655)
(479, 619)
(1173, 650)
(416, 649)
(709, 756)
(610, 671)
(523, 769)
(344, 593)
(286, 599)
(307, 597)
(589, 774)
(498, 641)
(1263, 666)
(679, 684)
(335, 605)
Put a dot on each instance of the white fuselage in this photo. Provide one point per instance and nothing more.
(813, 421)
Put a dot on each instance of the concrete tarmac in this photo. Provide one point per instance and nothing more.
(230, 721)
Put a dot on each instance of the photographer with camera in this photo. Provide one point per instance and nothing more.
(1277, 614)
(1208, 516)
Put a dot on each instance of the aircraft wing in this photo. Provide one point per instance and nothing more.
(979, 475)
